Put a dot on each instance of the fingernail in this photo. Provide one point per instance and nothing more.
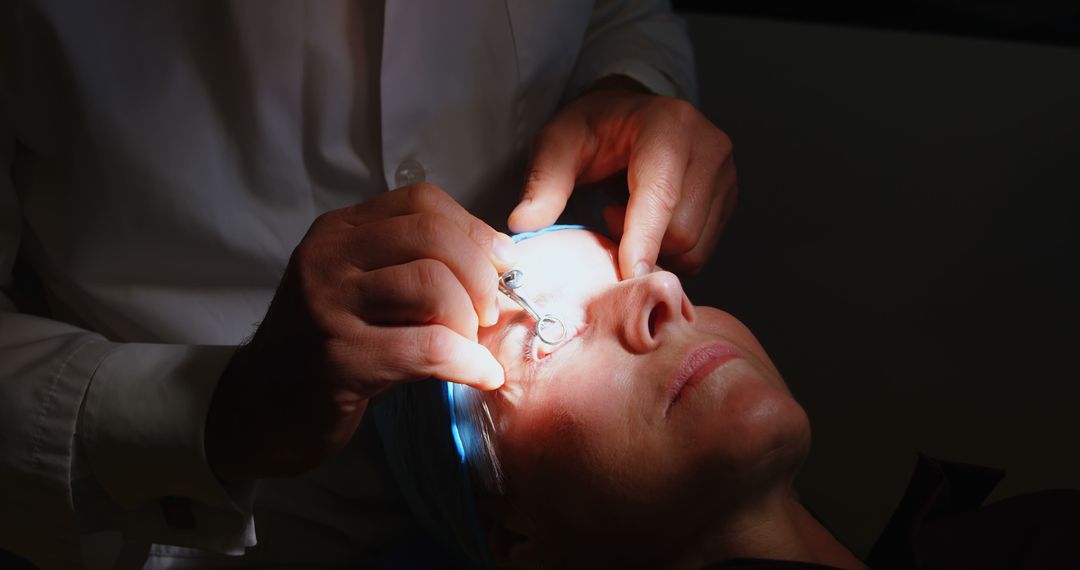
(641, 269)
(497, 377)
(519, 216)
(504, 249)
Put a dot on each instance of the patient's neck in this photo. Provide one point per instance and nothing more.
(778, 528)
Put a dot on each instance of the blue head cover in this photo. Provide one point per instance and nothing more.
(414, 425)
(558, 227)
(428, 445)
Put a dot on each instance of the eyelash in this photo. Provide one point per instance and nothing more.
(528, 344)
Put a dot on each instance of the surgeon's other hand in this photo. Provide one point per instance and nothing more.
(385, 292)
(679, 167)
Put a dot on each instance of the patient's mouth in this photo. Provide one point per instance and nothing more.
(695, 367)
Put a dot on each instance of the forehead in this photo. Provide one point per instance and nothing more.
(567, 264)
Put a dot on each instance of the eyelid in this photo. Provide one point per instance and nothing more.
(528, 364)
(528, 341)
(543, 350)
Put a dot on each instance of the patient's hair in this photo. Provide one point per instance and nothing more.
(474, 429)
(416, 427)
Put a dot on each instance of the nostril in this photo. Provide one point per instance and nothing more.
(657, 315)
(663, 305)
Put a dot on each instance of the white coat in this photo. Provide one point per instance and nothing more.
(160, 160)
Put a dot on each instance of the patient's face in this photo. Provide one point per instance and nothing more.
(653, 416)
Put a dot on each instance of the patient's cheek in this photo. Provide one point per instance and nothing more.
(594, 391)
(543, 441)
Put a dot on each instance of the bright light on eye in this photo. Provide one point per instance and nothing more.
(543, 349)
(550, 329)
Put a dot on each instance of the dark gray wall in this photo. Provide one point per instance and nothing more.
(905, 248)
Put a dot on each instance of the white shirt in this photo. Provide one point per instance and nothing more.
(161, 160)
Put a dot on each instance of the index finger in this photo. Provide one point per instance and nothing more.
(428, 198)
(655, 173)
(558, 157)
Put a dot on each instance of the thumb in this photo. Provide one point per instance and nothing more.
(449, 356)
(553, 170)
(479, 369)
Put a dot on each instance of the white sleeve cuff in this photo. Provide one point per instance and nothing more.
(645, 74)
(651, 48)
(44, 379)
(142, 427)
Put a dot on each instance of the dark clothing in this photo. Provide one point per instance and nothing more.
(760, 564)
(941, 523)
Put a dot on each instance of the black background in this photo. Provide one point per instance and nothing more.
(1038, 21)
(906, 245)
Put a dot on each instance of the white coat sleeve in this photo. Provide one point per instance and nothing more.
(98, 435)
(640, 39)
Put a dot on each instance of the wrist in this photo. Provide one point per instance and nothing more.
(235, 430)
(263, 424)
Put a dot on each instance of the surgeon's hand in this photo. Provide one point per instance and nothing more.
(679, 169)
(385, 292)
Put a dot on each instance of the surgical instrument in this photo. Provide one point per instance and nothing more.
(549, 328)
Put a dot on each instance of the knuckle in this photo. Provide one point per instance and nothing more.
(482, 235)
(361, 303)
(717, 143)
(424, 311)
(316, 308)
(431, 274)
(424, 196)
(723, 141)
(437, 345)
(680, 110)
(691, 262)
(431, 228)
(696, 259)
(382, 360)
(680, 239)
(665, 195)
(307, 255)
(323, 222)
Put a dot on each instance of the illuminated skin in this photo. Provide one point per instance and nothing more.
(602, 467)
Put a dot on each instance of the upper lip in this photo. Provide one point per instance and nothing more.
(693, 368)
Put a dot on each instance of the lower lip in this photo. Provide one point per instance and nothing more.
(697, 366)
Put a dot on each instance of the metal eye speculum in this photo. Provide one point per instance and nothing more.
(550, 329)
(512, 279)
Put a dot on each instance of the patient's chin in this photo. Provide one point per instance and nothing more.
(755, 437)
(775, 444)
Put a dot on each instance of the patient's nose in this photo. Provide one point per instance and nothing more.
(664, 308)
